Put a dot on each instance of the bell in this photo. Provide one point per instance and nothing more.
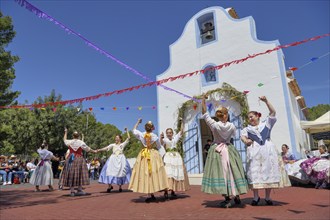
(208, 35)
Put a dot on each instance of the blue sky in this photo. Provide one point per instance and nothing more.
(139, 33)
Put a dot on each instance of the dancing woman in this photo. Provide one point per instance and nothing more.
(148, 174)
(117, 169)
(43, 174)
(75, 173)
(263, 171)
(224, 173)
(176, 172)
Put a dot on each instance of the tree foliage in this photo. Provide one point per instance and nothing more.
(317, 111)
(7, 61)
(24, 130)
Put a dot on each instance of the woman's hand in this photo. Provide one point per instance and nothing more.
(263, 98)
(248, 142)
(205, 96)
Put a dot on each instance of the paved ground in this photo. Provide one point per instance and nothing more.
(20, 202)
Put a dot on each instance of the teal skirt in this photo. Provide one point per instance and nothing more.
(213, 178)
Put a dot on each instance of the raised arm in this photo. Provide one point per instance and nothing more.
(204, 109)
(137, 123)
(65, 134)
(182, 125)
(161, 139)
(127, 132)
(271, 109)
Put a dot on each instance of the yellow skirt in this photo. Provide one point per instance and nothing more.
(148, 174)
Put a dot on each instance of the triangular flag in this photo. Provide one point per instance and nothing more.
(293, 68)
(127, 108)
(114, 108)
(153, 107)
(102, 108)
(314, 58)
(195, 107)
(78, 109)
(260, 84)
(209, 106)
(246, 92)
(90, 109)
(140, 108)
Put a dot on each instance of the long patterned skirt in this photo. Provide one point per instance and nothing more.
(42, 175)
(262, 167)
(176, 172)
(216, 181)
(116, 171)
(148, 174)
(75, 173)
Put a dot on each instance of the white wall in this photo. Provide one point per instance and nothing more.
(236, 39)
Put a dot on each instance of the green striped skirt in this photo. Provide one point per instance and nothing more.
(213, 178)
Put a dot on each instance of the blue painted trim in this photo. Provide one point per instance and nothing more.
(217, 33)
(202, 76)
(197, 31)
(287, 103)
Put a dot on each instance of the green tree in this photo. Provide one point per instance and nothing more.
(23, 130)
(317, 111)
(7, 61)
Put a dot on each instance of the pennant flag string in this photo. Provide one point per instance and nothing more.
(313, 59)
(162, 81)
(44, 15)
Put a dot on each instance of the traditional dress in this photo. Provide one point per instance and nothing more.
(43, 174)
(224, 172)
(175, 169)
(317, 168)
(117, 169)
(296, 173)
(148, 174)
(75, 171)
(262, 166)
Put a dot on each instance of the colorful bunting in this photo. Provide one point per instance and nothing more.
(246, 92)
(314, 58)
(209, 106)
(127, 108)
(90, 109)
(43, 15)
(293, 68)
(114, 108)
(140, 108)
(102, 108)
